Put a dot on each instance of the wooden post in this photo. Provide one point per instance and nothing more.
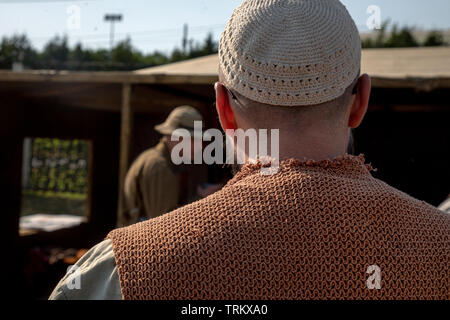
(126, 127)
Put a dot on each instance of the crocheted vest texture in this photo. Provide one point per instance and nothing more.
(314, 230)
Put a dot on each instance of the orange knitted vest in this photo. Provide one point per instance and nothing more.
(315, 230)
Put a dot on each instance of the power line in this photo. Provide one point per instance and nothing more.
(140, 33)
(140, 38)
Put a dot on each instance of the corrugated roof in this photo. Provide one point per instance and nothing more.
(407, 62)
(385, 63)
(207, 65)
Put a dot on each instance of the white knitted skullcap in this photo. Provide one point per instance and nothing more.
(290, 52)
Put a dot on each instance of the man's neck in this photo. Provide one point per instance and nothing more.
(310, 145)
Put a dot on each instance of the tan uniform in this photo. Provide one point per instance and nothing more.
(151, 187)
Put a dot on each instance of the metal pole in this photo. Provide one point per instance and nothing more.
(111, 36)
(112, 18)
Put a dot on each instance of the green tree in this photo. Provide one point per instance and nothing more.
(367, 43)
(209, 46)
(123, 53)
(17, 49)
(401, 38)
(434, 39)
(56, 53)
(380, 39)
(156, 58)
(177, 55)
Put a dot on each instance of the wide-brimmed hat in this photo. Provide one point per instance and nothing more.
(182, 117)
(290, 52)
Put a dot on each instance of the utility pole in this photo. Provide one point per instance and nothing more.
(112, 18)
(185, 38)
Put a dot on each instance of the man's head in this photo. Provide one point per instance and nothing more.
(180, 125)
(182, 117)
(292, 65)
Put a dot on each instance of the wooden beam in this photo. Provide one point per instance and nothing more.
(104, 77)
(126, 128)
(419, 83)
(408, 108)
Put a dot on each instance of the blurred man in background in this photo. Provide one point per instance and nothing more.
(154, 184)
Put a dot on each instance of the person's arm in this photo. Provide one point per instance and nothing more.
(93, 277)
(445, 206)
(131, 199)
(159, 188)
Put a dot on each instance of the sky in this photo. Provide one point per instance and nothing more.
(158, 24)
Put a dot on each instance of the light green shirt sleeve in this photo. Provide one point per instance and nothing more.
(445, 206)
(93, 277)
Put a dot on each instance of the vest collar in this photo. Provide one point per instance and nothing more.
(349, 165)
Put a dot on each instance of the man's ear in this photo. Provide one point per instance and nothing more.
(223, 107)
(360, 102)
